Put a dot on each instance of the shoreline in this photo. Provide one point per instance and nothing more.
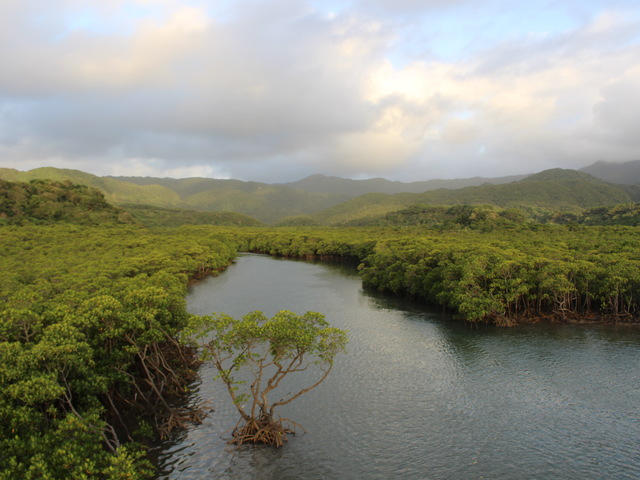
(567, 318)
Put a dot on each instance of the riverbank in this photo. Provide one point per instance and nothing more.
(420, 395)
(503, 277)
(91, 367)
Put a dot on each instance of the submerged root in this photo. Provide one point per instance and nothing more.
(505, 321)
(181, 418)
(263, 431)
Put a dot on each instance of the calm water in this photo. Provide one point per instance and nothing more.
(419, 396)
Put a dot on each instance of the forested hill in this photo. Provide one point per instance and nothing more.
(115, 191)
(42, 202)
(335, 201)
(265, 202)
(172, 217)
(554, 190)
(354, 188)
(627, 173)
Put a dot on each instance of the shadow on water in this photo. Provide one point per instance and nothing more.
(420, 395)
(466, 336)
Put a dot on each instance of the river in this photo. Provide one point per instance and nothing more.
(422, 396)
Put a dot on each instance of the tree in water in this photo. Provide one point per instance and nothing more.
(269, 350)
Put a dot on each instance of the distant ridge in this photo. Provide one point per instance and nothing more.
(626, 173)
(115, 191)
(555, 189)
(319, 183)
(321, 199)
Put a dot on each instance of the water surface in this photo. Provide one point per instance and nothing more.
(421, 396)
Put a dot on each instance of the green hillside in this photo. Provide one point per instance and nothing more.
(554, 190)
(262, 201)
(441, 216)
(567, 191)
(326, 184)
(43, 202)
(490, 216)
(266, 202)
(185, 187)
(627, 173)
(171, 217)
(623, 214)
(114, 191)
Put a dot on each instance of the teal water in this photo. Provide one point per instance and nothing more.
(421, 396)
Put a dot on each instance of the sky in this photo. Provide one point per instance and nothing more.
(276, 90)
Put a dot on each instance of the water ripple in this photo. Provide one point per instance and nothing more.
(419, 396)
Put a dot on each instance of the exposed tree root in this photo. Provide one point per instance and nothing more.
(158, 380)
(264, 430)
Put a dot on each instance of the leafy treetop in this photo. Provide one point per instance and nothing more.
(270, 349)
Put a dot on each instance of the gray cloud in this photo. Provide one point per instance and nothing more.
(278, 90)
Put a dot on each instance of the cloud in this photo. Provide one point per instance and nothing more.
(281, 89)
(617, 114)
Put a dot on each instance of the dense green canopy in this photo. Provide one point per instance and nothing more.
(94, 357)
(89, 358)
(45, 202)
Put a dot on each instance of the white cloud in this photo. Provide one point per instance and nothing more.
(273, 90)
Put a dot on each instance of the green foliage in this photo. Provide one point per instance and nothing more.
(115, 191)
(623, 214)
(90, 317)
(265, 202)
(495, 277)
(433, 216)
(552, 190)
(89, 321)
(298, 221)
(43, 202)
(169, 217)
(491, 216)
(503, 274)
(322, 200)
(270, 349)
(355, 188)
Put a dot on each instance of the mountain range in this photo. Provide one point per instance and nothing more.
(627, 173)
(325, 200)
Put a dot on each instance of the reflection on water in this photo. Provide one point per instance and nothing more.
(421, 396)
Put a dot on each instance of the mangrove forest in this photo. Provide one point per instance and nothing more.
(96, 347)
